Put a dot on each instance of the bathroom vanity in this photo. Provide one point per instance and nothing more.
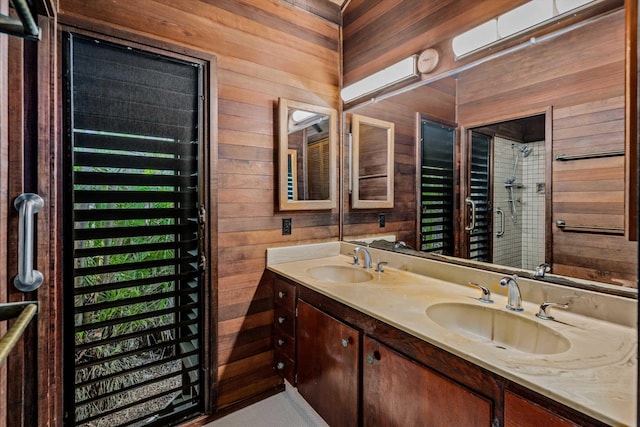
(414, 342)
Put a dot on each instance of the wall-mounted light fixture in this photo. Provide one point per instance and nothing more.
(396, 73)
(513, 22)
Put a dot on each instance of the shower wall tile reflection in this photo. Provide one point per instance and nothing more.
(522, 201)
(533, 211)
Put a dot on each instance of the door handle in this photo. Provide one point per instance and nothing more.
(501, 232)
(471, 203)
(28, 279)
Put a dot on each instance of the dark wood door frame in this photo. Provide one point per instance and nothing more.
(30, 148)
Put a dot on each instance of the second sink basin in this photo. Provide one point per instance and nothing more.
(498, 327)
(340, 273)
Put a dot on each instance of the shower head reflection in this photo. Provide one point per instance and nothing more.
(526, 150)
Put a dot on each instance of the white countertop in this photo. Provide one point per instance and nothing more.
(596, 375)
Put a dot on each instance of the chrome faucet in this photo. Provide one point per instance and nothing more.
(367, 256)
(514, 300)
(542, 269)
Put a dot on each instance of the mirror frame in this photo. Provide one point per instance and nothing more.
(284, 105)
(356, 201)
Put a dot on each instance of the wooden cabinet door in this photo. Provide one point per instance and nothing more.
(399, 392)
(328, 353)
(519, 412)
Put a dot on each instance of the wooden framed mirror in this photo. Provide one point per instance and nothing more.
(372, 163)
(307, 156)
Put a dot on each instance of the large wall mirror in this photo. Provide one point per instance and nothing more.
(530, 147)
(372, 162)
(307, 156)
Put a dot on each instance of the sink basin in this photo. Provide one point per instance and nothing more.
(498, 327)
(340, 273)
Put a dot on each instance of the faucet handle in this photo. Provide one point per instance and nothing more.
(379, 267)
(486, 293)
(542, 269)
(355, 259)
(545, 307)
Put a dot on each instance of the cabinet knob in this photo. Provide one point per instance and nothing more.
(345, 342)
(281, 320)
(281, 294)
(280, 342)
(280, 366)
(372, 357)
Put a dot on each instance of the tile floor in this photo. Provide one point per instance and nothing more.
(286, 409)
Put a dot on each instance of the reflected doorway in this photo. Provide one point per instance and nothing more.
(507, 188)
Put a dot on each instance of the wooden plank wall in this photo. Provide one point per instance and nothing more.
(265, 49)
(581, 66)
(590, 192)
(437, 100)
(378, 33)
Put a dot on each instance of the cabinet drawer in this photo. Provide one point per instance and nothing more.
(284, 320)
(284, 294)
(284, 366)
(284, 343)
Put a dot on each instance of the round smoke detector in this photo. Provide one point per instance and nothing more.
(428, 61)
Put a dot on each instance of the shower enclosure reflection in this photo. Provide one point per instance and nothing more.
(519, 237)
(507, 183)
(504, 192)
(510, 183)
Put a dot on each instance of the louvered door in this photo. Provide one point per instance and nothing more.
(479, 199)
(437, 192)
(134, 233)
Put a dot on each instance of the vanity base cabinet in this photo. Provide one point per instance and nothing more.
(328, 353)
(396, 391)
(355, 370)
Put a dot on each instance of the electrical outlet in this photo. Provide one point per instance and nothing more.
(381, 220)
(286, 226)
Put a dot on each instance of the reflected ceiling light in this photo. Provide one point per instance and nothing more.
(516, 20)
(525, 16)
(386, 77)
(475, 38)
(300, 115)
(567, 5)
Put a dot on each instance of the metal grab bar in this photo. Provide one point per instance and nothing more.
(471, 226)
(26, 312)
(28, 279)
(567, 157)
(562, 225)
(501, 232)
(25, 27)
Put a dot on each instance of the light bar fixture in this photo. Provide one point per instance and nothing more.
(567, 5)
(515, 21)
(475, 38)
(525, 16)
(396, 73)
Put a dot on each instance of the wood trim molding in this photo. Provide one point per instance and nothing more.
(4, 199)
(631, 122)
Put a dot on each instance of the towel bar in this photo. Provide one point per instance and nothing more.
(562, 225)
(567, 157)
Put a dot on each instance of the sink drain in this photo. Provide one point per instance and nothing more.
(501, 347)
